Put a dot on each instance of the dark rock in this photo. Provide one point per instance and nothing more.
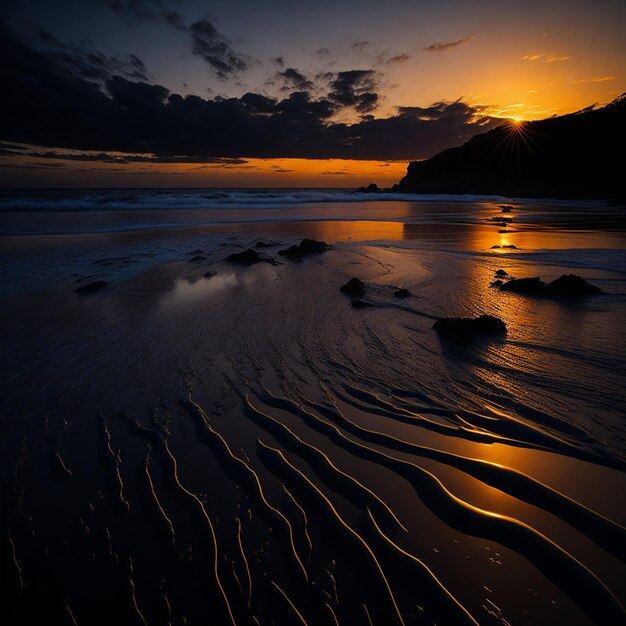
(371, 188)
(359, 304)
(570, 284)
(510, 246)
(197, 258)
(566, 285)
(497, 283)
(402, 293)
(461, 329)
(496, 247)
(354, 287)
(505, 231)
(307, 246)
(501, 273)
(248, 257)
(292, 252)
(91, 287)
(532, 286)
(262, 244)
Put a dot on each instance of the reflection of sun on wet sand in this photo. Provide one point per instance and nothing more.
(242, 435)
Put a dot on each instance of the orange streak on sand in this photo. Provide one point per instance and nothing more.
(343, 523)
(211, 531)
(291, 604)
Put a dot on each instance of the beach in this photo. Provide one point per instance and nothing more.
(203, 441)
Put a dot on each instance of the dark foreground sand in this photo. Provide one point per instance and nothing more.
(248, 448)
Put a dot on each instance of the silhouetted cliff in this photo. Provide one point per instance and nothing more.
(580, 155)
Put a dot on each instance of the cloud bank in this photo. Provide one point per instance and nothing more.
(51, 101)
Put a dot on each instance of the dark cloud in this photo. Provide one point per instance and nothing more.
(355, 88)
(209, 44)
(206, 41)
(387, 58)
(295, 79)
(398, 58)
(441, 46)
(146, 10)
(135, 9)
(35, 166)
(44, 104)
(104, 157)
(336, 173)
(173, 18)
(87, 62)
(10, 146)
(280, 61)
(322, 52)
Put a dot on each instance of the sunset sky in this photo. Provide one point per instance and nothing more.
(277, 93)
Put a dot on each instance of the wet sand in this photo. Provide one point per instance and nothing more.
(248, 448)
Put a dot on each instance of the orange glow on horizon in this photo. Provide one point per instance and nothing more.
(323, 173)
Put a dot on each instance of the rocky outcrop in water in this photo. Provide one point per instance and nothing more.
(571, 156)
(461, 329)
(371, 188)
(566, 285)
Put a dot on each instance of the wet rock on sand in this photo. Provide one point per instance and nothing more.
(306, 246)
(501, 273)
(460, 329)
(510, 246)
(249, 257)
(91, 287)
(354, 287)
(401, 293)
(359, 304)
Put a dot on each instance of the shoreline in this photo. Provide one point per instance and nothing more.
(181, 388)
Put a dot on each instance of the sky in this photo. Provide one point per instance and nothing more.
(284, 93)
